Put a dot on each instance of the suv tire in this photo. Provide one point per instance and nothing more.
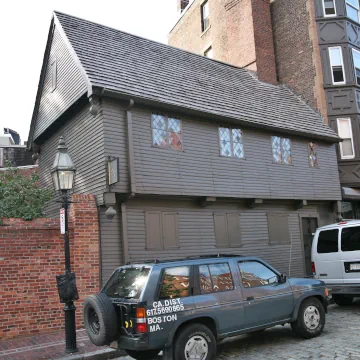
(100, 319)
(343, 300)
(311, 319)
(143, 355)
(195, 334)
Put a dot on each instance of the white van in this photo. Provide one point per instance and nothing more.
(335, 259)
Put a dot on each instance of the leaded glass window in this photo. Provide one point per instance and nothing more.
(281, 150)
(313, 157)
(231, 142)
(166, 131)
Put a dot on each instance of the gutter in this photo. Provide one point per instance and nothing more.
(102, 91)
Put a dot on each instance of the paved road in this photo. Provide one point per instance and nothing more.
(340, 340)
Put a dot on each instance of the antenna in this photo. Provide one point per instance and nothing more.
(290, 255)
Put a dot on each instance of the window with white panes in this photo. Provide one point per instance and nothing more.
(337, 65)
(313, 156)
(352, 9)
(329, 8)
(281, 150)
(231, 142)
(205, 23)
(166, 132)
(345, 133)
(356, 59)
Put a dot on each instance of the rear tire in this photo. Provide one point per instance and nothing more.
(100, 319)
(143, 355)
(343, 300)
(311, 319)
(195, 339)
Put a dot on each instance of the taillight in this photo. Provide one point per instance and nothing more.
(313, 268)
(141, 326)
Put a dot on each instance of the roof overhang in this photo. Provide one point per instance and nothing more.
(350, 193)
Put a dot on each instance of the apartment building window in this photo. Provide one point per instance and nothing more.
(337, 65)
(356, 59)
(313, 156)
(329, 8)
(352, 9)
(345, 133)
(209, 52)
(166, 132)
(231, 142)
(227, 230)
(205, 16)
(281, 150)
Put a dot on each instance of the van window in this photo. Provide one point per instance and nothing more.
(350, 239)
(328, 241)
(175, 283)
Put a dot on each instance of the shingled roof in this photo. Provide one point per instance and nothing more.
(145, 69)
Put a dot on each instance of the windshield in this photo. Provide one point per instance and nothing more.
(127, 283)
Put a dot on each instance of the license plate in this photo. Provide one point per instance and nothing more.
(354, 267)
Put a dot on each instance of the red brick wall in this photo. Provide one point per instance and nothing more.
(31, 254)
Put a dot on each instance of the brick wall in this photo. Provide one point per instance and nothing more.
(297, 52)
(31, 254)
(240, 34)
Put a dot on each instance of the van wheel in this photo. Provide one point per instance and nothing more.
(100, 319)
(311, 319)
(195, 341)
(143, 355)
(343, 300)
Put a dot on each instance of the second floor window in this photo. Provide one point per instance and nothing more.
(231, 142)
(356, 58)
(281, 150)
(352, 9)
(166, 132)
(345, 132)
(205, 16)
(313, 157)
(329, 8)
(337, 65)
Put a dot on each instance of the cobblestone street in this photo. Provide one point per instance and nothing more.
(340, 340)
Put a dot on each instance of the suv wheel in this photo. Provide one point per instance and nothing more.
(311, 319)
(343, 300)
(143, 355)
(195, 341)
(100, 319)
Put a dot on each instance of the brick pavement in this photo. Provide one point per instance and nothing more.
(340, 340)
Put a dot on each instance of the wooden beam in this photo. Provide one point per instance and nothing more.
(254, 202)
(206, 201)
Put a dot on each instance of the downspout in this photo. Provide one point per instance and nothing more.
(130, 149)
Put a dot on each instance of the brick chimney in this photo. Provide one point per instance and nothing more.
(181, 5)
(264, 42)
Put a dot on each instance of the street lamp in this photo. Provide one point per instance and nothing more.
(63, 174)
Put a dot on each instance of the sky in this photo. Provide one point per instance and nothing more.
(24, 27)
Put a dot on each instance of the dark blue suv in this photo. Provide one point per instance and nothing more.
(184, 307)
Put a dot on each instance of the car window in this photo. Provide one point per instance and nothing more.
(328, 241)
(254, 274)
(175, 283)
(350, 239)
(127, 283)
(215, 278)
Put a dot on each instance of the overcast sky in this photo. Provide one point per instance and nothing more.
(24, 27)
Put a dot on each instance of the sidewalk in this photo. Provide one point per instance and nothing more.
(52, 346)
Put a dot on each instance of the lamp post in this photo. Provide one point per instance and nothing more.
(63, 174)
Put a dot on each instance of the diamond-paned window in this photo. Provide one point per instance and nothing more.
(166, 132)
(231, 142)
(281, 150)
(313, 156)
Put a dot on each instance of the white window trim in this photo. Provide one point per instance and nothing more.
(323, 3)
(354, 64)
(352, 140)
(342, 66)
(354, 7)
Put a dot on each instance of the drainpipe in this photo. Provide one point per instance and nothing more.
(130, 149)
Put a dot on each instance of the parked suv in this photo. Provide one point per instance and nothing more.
(335, 257)
(184, 307)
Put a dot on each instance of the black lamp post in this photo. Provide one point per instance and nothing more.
(63, 174)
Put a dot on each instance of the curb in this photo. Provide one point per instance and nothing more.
(96, 355)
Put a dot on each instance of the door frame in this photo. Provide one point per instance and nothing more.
(311, 214)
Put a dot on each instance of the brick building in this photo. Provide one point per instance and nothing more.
(311, 46)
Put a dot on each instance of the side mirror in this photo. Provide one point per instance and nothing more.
(282, 279)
